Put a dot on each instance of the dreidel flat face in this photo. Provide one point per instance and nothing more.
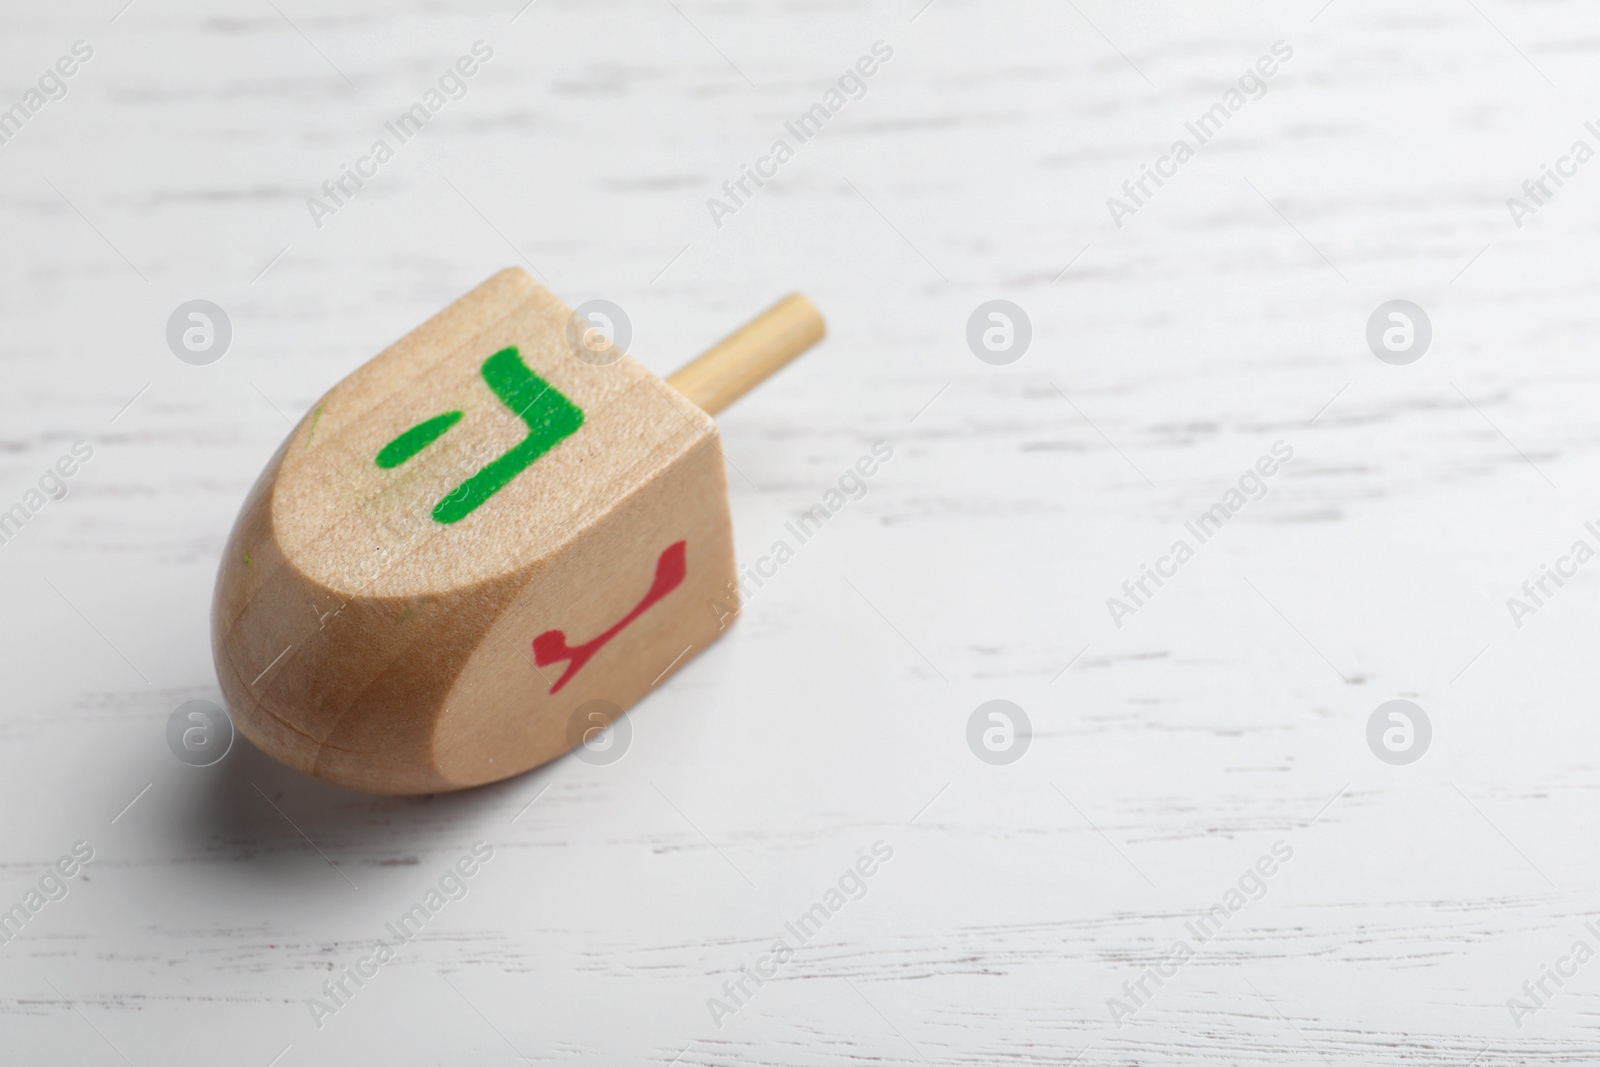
(468, 550)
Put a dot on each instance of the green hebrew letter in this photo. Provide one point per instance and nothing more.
(550, 418)
(416, 439)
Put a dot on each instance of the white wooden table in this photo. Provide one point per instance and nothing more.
(1168, 754)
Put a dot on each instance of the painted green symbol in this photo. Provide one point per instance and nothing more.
(549, 415)
(416, 439)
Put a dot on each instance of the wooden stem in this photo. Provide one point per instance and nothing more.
(748, 356)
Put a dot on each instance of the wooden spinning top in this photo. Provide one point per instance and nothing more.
(495, 527)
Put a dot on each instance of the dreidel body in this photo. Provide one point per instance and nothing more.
(483, 545)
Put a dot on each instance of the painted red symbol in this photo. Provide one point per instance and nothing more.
(551, 646)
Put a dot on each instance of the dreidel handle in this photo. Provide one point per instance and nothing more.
(751, 354)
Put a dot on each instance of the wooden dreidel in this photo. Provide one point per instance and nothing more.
(484, 544)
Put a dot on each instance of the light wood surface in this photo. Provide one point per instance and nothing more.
(745, 358)
(1168, 755)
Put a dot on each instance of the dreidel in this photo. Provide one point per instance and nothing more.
(486, 543)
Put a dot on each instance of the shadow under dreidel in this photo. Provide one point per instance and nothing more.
(276, 823)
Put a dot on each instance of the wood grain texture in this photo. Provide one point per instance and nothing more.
(1168, 354)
